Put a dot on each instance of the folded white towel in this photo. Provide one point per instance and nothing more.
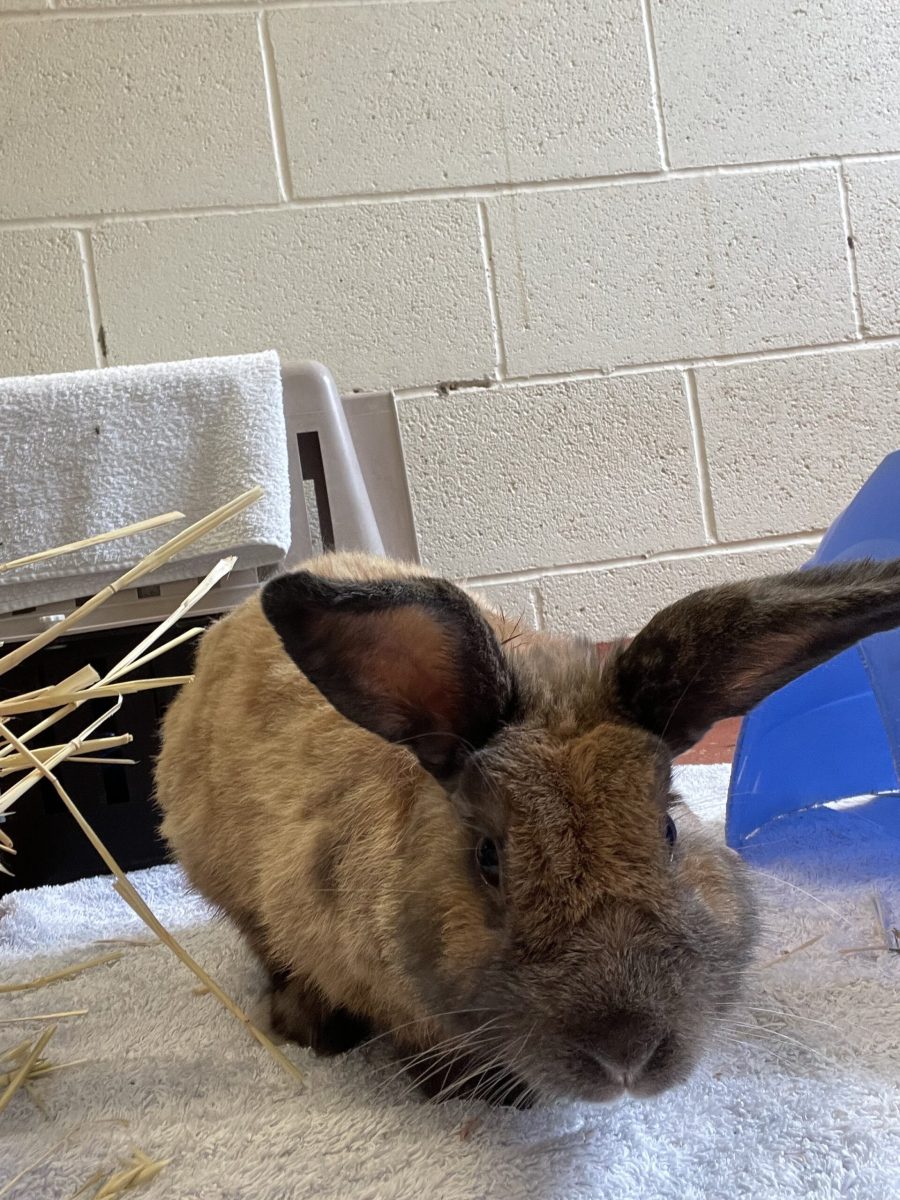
(89, 451)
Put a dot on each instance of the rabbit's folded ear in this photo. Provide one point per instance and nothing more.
(409, 659)
(718, 652)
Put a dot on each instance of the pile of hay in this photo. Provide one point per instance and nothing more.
(26, 758)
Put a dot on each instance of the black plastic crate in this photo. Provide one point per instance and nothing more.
(116, 800)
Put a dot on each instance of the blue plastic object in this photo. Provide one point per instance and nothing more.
(830, 741)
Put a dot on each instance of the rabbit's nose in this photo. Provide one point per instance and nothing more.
(625, 1044)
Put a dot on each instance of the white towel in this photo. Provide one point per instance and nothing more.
(90, 451)
(803, 1104)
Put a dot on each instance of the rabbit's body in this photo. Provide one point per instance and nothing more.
(287, 815)
(500, 891)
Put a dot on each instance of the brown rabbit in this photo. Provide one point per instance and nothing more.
(430, 824)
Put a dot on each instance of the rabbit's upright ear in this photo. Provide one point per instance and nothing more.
(409, 659)
(718, 652)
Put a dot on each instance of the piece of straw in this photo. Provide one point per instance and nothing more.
(11, 795)
(110, 536)
(15, 706)
(468, 1127)
(26, 1170)
(140, 1170)
(132, 897)
(163, 649)
(126, 941)
(54, 1016)
(108, 762)
(36, 1162)
(790, 953)
(219, 571)
(15, 1051)
(41, 727)
(153, 560)
(41, 1068)
(60, 713)
(29, 985)
(90, 1182)
(72, 683)
(882, 949)
(22, 1074)
(20, 762)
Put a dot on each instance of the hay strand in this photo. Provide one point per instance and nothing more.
(41, 727)
(42, 1158)
(64, 698)
(29, 985)
(19, 789)
(156, 558)
(786, 954)
(126, 941)
(81, 678)
(163, 649)
(15, 1051)
(90, 1182)
(54, 1016)
(141, 1169)
(20, 762)
(110, 536)
(129, 662)
(132, 897)
(22, 1074)
(15, 706)
(42, 1067)
(105, 762)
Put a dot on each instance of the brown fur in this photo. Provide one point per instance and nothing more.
(601, 959)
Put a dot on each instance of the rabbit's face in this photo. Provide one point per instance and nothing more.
(618, 927)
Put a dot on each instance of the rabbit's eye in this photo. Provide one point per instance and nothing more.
(488, 859)
(671, 831)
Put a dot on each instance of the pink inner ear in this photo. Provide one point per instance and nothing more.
(411, 662)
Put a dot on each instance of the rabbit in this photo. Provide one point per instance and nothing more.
(436, 827)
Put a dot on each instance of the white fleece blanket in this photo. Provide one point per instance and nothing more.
(89, 451)
(804, 1103)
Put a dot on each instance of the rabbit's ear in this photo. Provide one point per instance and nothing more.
(718, 652)
(409, 659)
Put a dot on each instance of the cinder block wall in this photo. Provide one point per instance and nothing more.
(633, 265)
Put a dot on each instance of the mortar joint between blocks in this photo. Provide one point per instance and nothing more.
(92, 296)
(274, 108)
(606, 374)
(425, 195)
(490, 276)
(544, 572)
(850, 251)
(662, 136)
(537, 600)
(701, 458)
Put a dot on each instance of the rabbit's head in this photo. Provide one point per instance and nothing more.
(580, 923)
